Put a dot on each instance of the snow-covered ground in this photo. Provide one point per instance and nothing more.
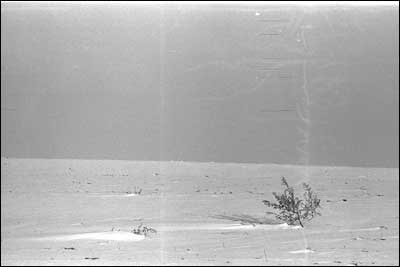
(82, 212)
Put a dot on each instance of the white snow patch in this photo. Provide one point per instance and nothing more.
(114, 195)
(226, 227)
(113, 236)
(301, 251)
(130, 195)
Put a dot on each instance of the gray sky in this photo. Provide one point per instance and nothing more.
(206, 83)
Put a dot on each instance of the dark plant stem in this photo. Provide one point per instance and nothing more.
(298, 218)
(265, 256)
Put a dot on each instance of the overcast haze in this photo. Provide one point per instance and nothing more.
(202, 83)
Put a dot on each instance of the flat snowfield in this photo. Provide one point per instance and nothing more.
(82, 212)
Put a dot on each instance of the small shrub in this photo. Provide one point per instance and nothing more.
(144, 230)
(136, 191)
(293, 210)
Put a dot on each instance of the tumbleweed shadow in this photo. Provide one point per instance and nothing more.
(247, 219)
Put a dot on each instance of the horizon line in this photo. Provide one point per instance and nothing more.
(206, 162)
